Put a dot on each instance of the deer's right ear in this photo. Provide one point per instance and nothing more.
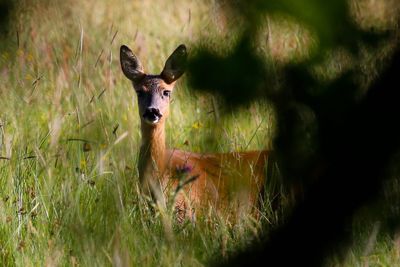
(175, 65)
(130, 64)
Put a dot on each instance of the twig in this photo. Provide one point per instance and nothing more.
(17, 39)
(115, 129)
(115, 34)
(102, 92)
(29, 157)
(98, 58)
(180, 186)
(91, 99)
(79, 140)
(254, 134)
(86, 124)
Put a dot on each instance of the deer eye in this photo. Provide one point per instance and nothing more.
(166, 93)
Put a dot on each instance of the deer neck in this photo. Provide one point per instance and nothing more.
(152, 151)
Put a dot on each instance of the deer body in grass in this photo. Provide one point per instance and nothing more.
(227, 182)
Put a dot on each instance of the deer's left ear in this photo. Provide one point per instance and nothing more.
(175, 65)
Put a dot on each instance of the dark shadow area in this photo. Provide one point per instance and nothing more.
(6, 9)
(7, 12)
(336, 139)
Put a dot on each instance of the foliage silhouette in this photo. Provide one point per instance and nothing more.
(6, 8)
(335, 143)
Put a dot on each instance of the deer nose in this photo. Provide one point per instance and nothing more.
(154, 111)
(152, 115)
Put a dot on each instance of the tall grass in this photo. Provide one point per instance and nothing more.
(69, 132)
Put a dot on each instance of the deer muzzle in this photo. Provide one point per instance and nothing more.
(152, 115)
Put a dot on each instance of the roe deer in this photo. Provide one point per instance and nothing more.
(228, 182)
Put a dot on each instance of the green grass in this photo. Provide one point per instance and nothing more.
(69, 133)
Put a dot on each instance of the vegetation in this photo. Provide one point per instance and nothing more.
(69, 131)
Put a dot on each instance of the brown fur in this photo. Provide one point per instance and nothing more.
(229, 182)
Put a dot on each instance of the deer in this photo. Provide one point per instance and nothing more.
(229, 183)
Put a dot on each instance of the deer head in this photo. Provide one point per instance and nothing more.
(153, 91)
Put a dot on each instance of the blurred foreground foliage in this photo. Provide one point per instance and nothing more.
(337, 138)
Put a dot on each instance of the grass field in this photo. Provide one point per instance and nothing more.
(69, 132)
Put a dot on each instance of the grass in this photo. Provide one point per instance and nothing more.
(69, 133)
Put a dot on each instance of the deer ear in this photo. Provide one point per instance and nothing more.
(130, 64)
(175, 65)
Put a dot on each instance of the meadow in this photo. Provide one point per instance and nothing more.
(69, 132)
